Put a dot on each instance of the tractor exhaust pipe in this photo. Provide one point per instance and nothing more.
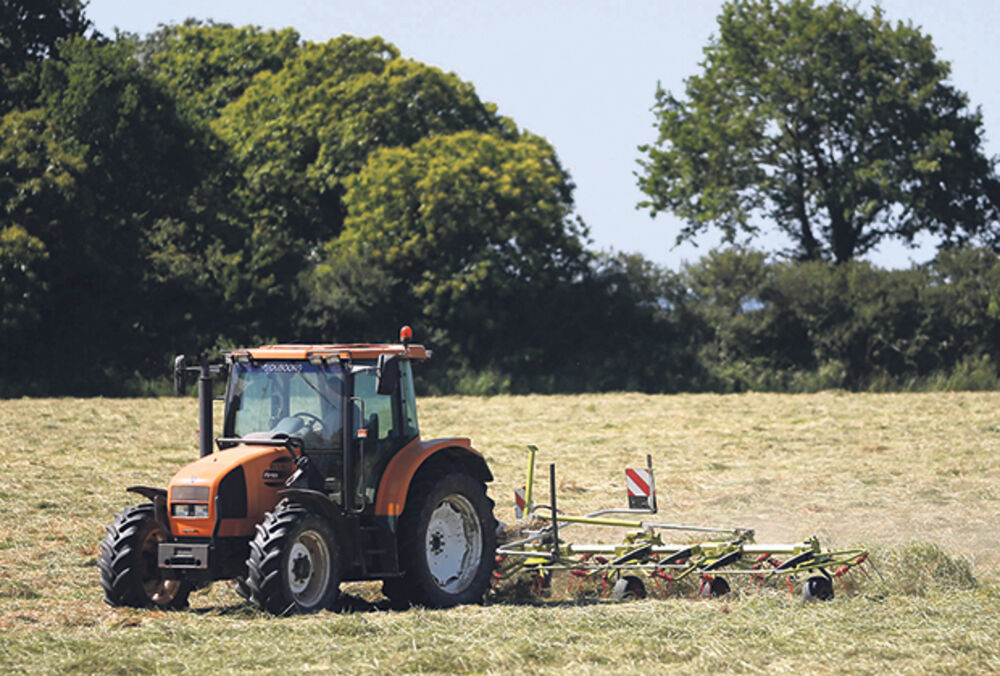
(205, 399)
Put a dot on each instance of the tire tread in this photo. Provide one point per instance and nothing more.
(121, 584)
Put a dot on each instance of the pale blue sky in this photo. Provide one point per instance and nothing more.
(582, 74)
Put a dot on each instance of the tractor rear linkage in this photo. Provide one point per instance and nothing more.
(534, 551)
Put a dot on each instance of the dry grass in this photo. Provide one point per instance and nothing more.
(878, 470)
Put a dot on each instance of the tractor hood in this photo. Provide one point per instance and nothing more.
(234, 487)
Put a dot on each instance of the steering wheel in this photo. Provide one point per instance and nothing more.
(309, 417)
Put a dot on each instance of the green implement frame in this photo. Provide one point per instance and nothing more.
(725, 555)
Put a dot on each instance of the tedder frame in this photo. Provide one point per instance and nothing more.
(708, 560)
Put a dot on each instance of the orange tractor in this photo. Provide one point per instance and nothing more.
(320, 477)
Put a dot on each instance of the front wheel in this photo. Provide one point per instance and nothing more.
(129, 563)
(447, 541)
(294, 565)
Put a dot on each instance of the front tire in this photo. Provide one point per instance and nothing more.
(447, 541)
(294, 566)
(129, 565)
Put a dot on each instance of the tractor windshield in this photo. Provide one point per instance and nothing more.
(296, 398)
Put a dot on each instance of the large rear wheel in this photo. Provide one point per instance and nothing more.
(447, 541)
(129, 564)
(294, 565)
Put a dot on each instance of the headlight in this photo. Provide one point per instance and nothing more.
(191, 511)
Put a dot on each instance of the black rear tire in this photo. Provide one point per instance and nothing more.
(447, 542)
(398, 591)
(294, 565)
(129, 565)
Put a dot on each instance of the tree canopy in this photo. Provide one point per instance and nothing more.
(210, 65)
(296, 136)
(90, 173)
(838, 127)
(237, 185)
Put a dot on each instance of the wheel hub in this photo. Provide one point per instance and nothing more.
(159, 590)
(301, 567)
(307, 570)
(454, 543)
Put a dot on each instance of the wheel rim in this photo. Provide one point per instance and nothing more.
(308, 568)
(454, 543)
(158, 590)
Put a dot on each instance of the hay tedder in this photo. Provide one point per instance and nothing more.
(708, 561)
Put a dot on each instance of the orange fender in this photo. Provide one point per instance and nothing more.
(395, 483)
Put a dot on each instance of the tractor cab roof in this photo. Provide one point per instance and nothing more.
(350, 351)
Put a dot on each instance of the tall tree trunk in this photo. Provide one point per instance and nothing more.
(842, 234)
(810, 246)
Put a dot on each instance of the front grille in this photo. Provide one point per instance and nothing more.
(233, 495)
(192, 493)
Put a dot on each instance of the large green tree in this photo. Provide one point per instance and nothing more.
(470, 234)
(297, 135)
(837, 126)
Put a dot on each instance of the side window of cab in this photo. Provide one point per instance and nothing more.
(390, 420)
(387, 416)
(408, 401)
(381, 412)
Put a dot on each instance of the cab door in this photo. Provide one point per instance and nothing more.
(379, 430)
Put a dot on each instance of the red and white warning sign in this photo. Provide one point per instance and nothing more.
(641, 494)
(519, 503)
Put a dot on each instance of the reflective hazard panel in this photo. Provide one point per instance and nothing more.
(519, 503)
(641, 493)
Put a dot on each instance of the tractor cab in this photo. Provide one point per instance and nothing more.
(326, 399)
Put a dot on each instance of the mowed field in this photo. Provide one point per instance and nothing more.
(915, 477)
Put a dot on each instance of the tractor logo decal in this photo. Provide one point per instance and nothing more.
(279, 470)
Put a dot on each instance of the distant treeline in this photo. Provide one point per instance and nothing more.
(207, 187)
(801, 327)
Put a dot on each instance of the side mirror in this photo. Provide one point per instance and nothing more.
(180, 379)
(387, 374)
